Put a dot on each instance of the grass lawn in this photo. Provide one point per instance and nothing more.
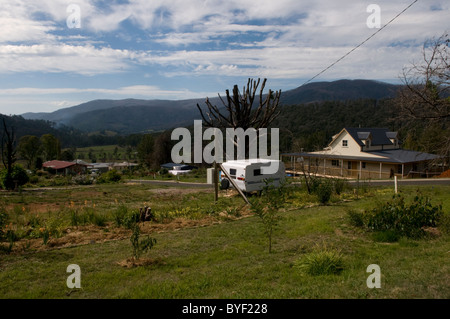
(228, 258)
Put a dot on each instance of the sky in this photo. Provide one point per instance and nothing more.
(57, 53)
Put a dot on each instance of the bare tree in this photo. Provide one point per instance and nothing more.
(424, 100)
(238, 109)
(8, 153)
(425, 95)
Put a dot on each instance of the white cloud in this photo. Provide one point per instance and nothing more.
(283, 40)
(86, 60)
(148, 91)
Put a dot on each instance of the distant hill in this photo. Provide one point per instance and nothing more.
(341, 90)
(135, 116)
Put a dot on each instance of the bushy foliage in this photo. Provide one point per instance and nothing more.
(82, 180)
(324, 191)
(18, 175)
(340, 185)
(112, 176)
(404, 219)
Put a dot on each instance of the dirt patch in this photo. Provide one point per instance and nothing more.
(91, 234)
(445, 174)
(132, 262)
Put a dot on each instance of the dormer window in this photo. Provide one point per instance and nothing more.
(344, 143)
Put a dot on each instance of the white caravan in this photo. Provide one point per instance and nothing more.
(247, 174)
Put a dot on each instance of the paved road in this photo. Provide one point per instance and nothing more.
(414, 182)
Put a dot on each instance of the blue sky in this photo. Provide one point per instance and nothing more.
(182, 49)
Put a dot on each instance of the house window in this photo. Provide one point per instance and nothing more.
(345, 143)
(349, 165)
(363, 164)
(335, 163)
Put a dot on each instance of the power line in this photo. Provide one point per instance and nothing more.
(359, 45)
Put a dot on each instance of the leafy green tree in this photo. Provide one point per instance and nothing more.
(145, 149)
(162, 150)
(29, 149)
(67, 155)
(51, 147)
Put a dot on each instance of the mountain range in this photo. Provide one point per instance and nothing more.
(137, 116)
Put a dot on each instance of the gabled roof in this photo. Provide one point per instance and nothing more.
(380, 136)
(363, 135)
(58, 164)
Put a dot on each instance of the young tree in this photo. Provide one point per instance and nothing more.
(29, 149)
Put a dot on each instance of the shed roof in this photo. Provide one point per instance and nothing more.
(397, 156)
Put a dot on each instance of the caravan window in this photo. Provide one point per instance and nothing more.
(257, 172)
(233, 172)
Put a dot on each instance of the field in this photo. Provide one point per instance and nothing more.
(207, 250)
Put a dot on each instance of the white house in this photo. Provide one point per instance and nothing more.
(363, 152)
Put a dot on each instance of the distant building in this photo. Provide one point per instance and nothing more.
(122, 166)
(363, 152)
(66, 168)
(177, 169)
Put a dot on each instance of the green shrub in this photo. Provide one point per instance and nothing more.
(321, 262)
(112, 176)
(404, 219)
(82, 180)
(324, 191)
(355, 218)
(34, 179)
(131, 219)
(96, 218)
(119, 215)
(340, 185)
(17, 177)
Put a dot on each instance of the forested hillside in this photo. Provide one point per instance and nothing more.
(311, 126)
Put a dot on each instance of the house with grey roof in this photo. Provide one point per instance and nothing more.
(363, 152)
